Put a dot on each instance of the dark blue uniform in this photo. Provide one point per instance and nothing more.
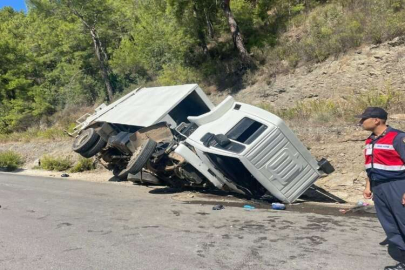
(387, 196)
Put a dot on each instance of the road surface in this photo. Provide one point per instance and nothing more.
(48, 223)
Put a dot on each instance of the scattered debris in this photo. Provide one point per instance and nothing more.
(361, 203)
(249, 207)
(364, 207)
(278, 206)
(64, 175)
(218, 207)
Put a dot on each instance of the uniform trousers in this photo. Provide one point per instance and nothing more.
(387, 196)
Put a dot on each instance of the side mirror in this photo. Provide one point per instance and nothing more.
(325, 166)
(222, 140)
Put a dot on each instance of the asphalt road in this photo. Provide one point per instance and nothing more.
(48, 223)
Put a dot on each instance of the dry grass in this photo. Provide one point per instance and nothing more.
(328, 110)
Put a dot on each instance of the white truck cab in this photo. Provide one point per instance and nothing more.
(254, 146)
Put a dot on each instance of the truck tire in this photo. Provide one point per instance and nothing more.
(139, 158)
(95, 149)
(86, 139)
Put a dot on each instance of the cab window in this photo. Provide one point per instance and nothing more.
(246, 131)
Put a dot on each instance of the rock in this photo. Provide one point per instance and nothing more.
(397, 41)
(281, 90)
(36, 163)
(372, 73)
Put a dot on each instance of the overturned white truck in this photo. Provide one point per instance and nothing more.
(176, 135)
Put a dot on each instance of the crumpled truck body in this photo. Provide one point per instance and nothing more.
(261, 143)
(234, 146)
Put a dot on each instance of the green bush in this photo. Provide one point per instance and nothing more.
(84, 164)
(333, 28)
(55, 163)
(177, 74)
(10, 160)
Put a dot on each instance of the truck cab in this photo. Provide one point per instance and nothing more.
(254, 149)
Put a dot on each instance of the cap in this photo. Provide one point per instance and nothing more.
(373, 112)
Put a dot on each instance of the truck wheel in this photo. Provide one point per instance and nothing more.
(86, 139)
(139, 158)
(95, 149)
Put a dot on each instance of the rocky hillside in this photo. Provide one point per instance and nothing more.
(358, 71)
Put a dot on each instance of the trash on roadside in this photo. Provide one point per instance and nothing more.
(361, 203)
(249, 207)
(64, 175)
(344, 211)
(218, 207)
(278, 206)
(364, 207)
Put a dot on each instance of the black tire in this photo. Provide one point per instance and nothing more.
(139, 158)
(95, 149)
(86, 140)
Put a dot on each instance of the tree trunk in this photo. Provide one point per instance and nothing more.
(102, 59)
(200, 32)
(209, 25)
(99, 50)
(236, 34)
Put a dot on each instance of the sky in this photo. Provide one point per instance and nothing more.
(16, 4)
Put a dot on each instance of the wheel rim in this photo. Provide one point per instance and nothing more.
(82, 139)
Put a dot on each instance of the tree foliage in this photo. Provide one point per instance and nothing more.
(69, 53)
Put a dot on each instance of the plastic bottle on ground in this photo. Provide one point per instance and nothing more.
(278, 206)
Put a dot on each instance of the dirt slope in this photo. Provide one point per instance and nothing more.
(363, 69)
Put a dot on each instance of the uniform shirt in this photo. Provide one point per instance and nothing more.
(399, 141)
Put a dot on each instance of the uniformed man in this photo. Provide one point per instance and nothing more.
(385, 166)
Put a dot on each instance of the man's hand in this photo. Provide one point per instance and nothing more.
(367, 194)
(403, 200)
